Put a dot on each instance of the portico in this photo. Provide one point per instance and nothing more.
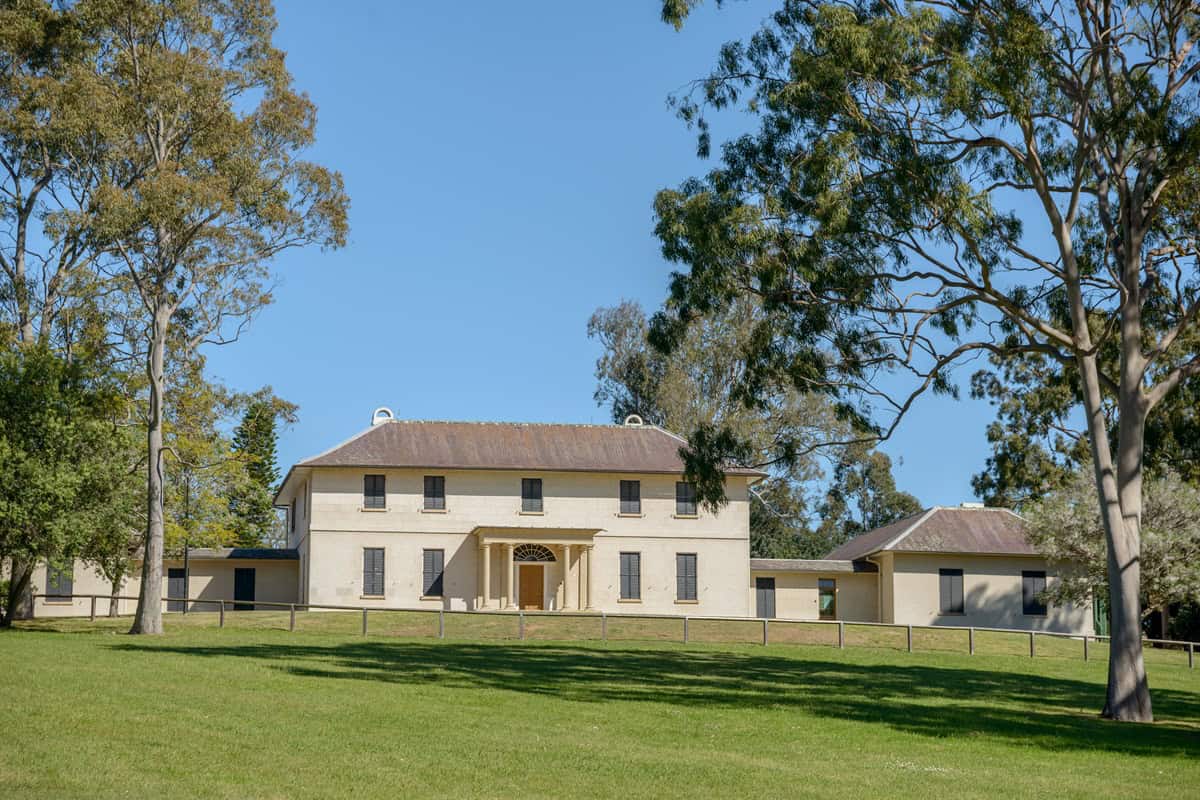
(535, 568)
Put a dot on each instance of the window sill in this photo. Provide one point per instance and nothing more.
(434, 511)
(1035, 616)
(531, 513)
(432, 597)
(59, 602)
(627, 515)
(687, 602)
(630, 600)
(372, 510)
(686, 516)
(952, 613)
(372, 597)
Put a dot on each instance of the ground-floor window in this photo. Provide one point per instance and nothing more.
(827, 598)
(432, 568)
(373, 571)
(631, 576)
(685, 576)
(950, 590)
(1032, 586)
(60, 580)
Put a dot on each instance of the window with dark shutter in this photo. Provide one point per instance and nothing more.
(631, 576)
(435, 493)
(373, 571)
(685, 499)
(631, 497)
(950, 590)
(60, 581)
(431, 582)
(1032, 585)
(685, 576)
(531, 494)
(374, 491)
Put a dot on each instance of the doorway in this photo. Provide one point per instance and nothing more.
(532, 586)
(764, 590)
(176, 587)
(243, 589)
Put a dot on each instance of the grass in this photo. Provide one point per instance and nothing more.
(252, 710)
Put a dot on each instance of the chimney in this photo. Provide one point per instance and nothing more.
(382, 414)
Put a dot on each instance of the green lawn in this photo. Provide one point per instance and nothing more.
(252, 710)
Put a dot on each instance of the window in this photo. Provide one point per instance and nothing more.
(434, 563)
(631, 576)
(1032, 585)
(435, 493)
(631, 497)
(373, 571)
(685, 499)
(60, 581)
(531, 494)
(374, 491)
(827, 598)
(685, 576)
(951, 590)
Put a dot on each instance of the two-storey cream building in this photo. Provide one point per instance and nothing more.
(481, 515)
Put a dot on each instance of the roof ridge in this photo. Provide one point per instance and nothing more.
(922, 519)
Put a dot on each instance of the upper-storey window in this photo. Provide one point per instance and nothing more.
(374, 491)
(435, 493)
(531, 494)
(631, 497)
(685, 499)
(292, 516)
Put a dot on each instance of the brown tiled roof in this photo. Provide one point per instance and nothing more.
(993, 531)
(508, 445)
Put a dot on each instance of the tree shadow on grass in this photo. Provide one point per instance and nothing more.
(928, 700)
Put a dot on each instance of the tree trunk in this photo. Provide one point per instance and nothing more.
(148, 618)
(113, 602)
(18, 604)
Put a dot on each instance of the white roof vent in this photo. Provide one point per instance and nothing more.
(633, 421)
(973, 505)
(381, 415)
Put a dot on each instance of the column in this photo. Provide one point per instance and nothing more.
(510, 591)
(486, 551)
(587, 588)
(568, 595)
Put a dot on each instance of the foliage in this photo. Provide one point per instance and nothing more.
(862, 496)
(60, 456)
(1066, 527)
(930, 184)
(250, 501)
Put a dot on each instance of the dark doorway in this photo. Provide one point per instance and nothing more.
(764, 590)
(243, 589)
(176, 587)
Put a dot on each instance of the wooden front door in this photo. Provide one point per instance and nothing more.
(531, 586)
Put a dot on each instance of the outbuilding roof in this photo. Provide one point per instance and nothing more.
(253, 553)
(810, 565)
(987, 531)
(511, 445)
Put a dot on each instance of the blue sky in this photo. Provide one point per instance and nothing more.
(501, 160)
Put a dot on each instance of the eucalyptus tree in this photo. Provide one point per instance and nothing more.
(934, 182)
(202, 183)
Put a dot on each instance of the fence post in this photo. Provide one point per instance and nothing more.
(1032, 650)
(364, 620)
(520, 624)
(685, 629)
(910, 638)
(93, 616)
(603, 627)
(221, 622)
(292, 618)
(1191, 656)
(841, 634)
(1085, 647)
(441, 623)
(971, 640)
(765, 637)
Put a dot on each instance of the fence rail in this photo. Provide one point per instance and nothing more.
(686, 622)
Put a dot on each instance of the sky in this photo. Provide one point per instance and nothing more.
(501, 161)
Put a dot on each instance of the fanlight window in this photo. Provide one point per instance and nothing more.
(532, 552)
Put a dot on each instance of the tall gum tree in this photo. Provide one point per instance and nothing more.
(935, 182)
(200, 184)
